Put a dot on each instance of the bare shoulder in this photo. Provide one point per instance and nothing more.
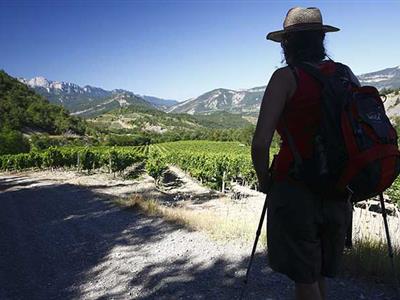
(283, 78)
(284, 73)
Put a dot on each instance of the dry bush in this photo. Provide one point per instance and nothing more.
(227, 226)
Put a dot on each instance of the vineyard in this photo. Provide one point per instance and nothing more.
(112, 159)
(214, 164)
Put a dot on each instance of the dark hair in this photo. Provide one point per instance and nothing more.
(304, 46)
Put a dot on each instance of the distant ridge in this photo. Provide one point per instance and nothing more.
(159, 102)
(248, 101)
(89, 100)
(242, 101)
(387, 78)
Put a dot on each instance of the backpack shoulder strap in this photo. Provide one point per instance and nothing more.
(347, 75)
(314, 72)
(296, 155)
(298, 161)
(295, 74)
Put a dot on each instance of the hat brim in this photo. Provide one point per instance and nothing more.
(277, 36)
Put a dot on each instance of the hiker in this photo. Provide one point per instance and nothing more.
(305, 233)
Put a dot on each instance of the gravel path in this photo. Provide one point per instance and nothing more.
(62, 239)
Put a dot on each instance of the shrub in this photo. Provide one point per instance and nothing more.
(52, 157)
(156, 164)
(13, 142)
(42, 142)
(126, 140)
(394, 191)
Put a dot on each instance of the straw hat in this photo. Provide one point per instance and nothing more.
(300, 19)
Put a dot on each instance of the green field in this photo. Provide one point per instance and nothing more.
(214, 164)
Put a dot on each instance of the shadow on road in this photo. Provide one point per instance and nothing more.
(53, 236)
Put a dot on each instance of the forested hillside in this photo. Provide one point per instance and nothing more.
(22, 108)
(143, 118)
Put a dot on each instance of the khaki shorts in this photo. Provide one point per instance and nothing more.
(305, 233)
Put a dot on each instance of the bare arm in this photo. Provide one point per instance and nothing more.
(281, 87)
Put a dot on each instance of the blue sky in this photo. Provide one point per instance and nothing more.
(180, 49)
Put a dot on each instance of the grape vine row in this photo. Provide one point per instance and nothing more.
(212, 163)
(115, 159)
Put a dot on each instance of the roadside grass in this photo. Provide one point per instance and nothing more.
(368, 259)
(220, 227)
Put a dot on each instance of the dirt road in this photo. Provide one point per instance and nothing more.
(61, 239)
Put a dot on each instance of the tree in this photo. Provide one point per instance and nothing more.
(13, 142)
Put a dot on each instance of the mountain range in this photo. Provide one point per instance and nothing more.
(241, 101)
(89, 101)
(385, 79)
(248, 101)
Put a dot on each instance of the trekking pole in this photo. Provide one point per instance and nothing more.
(254, 247)
(349, 233)
(389, 243)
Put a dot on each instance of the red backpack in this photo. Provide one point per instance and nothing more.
(356, 148)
